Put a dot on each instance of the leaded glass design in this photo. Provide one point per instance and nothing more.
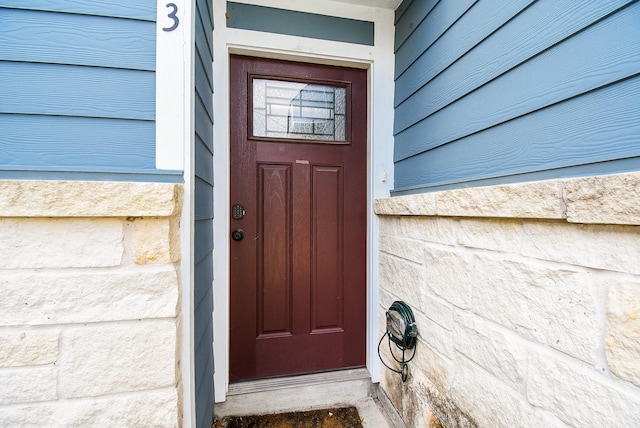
(299, 111)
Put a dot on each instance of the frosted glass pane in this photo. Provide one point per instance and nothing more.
(299, 111)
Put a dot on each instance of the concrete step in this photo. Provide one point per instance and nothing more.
(307, 392)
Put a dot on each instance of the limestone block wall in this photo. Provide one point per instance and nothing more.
(527, 300)
(89, 304)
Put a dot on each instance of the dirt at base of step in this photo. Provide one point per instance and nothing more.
(343, 417)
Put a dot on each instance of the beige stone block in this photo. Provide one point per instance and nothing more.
(580, 396)
(402, 278)
(28, 347)
(436, 336)
(623, 331)
(438, 369)
(386, 299)
(496, 235)
(485, 399)
(403, 248)
(156, 240)
(551, 306)
(413, 409)
(612, 248)
(30, 415)
(27, 384)
(608, 199)
(60, 297)
(497, 350)
(389, 225)
(118, 357)
(394, 388)
(403, 397)
(439, 404)
(538, 199)
(449, 275)
(39, 198)
(157, 408)
(542, 418)
(420, 204)
(437, 230)
(438, 310)
(60, 243)
(430, 419)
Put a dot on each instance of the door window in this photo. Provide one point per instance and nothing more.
(299, 111)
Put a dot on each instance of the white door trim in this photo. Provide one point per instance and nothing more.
(378, 59)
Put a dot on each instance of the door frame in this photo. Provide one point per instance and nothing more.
(379, 61)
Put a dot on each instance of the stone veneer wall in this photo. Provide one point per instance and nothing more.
(89, 302)
(527, 299)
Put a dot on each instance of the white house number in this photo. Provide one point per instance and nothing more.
(172, 15)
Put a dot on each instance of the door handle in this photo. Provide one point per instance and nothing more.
(237, 235)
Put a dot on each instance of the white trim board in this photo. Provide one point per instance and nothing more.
(173, 73)
(378, 59)
(175, 124)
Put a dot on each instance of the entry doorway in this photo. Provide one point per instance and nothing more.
(298, 198)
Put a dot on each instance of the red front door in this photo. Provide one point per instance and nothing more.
(298, 188)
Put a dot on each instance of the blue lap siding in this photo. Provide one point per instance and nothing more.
(494, 91)
(203, 232)
(78, 89)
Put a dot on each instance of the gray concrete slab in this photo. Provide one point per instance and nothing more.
(299, 393)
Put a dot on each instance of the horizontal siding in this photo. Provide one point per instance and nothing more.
(518, 42)
(402, 9)
(203, 274)
(204, 121)
(594, 62)
(75, 143)
(203, 196)
(140, 9)
(203, 315)
(204, 25)
(203, 162)
(156, 176)
(437, 22)
(203, 246)
(77, 39)
(204, 365)
(78, 86)
(204, 86)
(67, 90)
(586, 130)
(482, 20)
(204, 68)
(530, 89)
(409, 16)
(205, 390)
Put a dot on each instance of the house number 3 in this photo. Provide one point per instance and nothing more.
(172, 15)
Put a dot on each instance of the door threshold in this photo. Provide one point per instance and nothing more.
(260, 385)
(351, 387)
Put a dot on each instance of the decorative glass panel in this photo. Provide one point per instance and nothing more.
(299, 111)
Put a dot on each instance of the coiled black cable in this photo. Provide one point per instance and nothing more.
(407, 341)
